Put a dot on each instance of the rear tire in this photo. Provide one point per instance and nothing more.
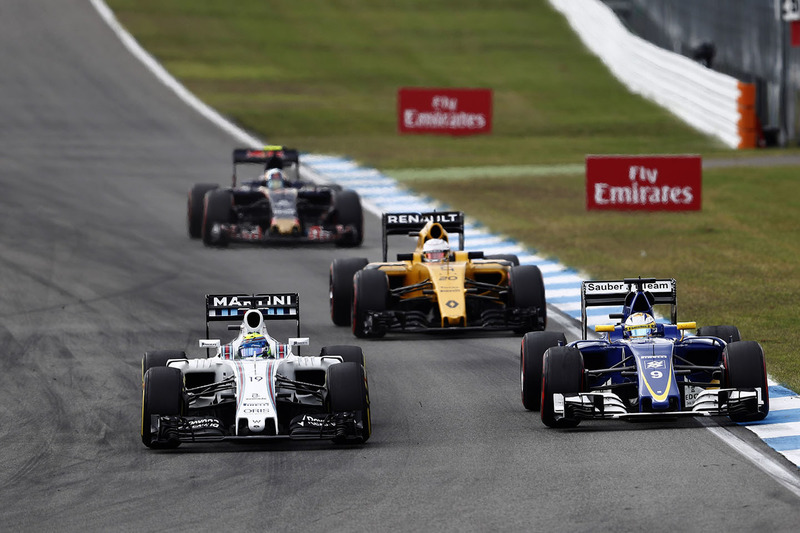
(726, 333)
(531, 356)
(371, 293)
(526, 286)
(350, 213)
(562, 373)
(745, 368)
(218, 207)
(341, 288)
(513, 259)
(194, 208)
(159, 358)
(348, 391)
(162, 394)
(349, 354)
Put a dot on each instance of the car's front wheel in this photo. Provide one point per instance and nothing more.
(745, 368)
(562, 375)
(162, 394)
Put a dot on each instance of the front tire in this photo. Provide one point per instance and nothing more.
(341, 287)
(745, 368)
(162, 394)
(371, 293)
(531, 356)
(562, 373)
(159, 358)
(526, 286)
(348, 391)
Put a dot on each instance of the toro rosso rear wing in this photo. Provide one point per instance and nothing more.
(411, 223)
(624, 293)
(232, 307)
(271, 156)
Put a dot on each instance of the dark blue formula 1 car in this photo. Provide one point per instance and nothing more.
(639, 368)
(273, 205)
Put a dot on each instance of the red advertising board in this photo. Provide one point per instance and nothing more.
(644, 183)
(444, 111)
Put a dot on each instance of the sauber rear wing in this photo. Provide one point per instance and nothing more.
(615, 292)
(409, 223)
(232, 307)
(271, 156)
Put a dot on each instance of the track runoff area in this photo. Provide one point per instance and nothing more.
(380, 193)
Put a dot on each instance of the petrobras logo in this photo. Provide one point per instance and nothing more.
(444, 110)
(421, 218)
(649, 183)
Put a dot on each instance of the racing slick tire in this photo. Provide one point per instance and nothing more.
(349, 354)
(162, 394)
(531, 355)
(348, 391)
(349, 213)
(159, 358)
(562, 373)
(745, 368)
(526, 288)
(371, 293)
(726, 333)
(216, 210)
(341, 287)
(511, 258)
(194, 208)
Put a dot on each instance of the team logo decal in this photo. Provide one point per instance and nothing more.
(452, 304)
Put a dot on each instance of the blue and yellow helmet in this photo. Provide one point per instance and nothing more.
(254, 345)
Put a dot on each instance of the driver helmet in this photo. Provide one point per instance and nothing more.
(435, 250)
(254, 345)
(640, 325)
(274, 179)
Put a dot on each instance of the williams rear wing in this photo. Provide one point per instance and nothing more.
(232, 307)
(617, 292)
(270, 156)
(411, 223)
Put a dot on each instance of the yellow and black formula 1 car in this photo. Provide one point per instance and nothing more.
(437, 287)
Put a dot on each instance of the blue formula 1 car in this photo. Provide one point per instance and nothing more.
(640, 369)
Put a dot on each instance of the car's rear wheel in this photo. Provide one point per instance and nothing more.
(726, 333)
(371, 293)
(526, 288)
(511, 258)
(350, 213)
(349, 354)
(531, 355)
(341, 287)
(154, 358)
(194, 208)
(348, 391)
(562, 373)
(162, 394)
(745, 368)
(218, 206)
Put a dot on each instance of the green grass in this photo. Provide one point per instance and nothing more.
(323, 75)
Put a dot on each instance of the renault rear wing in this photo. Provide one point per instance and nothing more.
(412, 223)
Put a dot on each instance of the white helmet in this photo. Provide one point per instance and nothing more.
(274, 179)
(639, 325)
(435, 250)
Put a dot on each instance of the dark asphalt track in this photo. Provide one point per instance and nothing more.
(95, 267)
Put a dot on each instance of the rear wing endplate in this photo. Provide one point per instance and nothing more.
(232, 307)
(409, 223)
(597, 293)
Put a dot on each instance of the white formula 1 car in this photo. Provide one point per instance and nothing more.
(254, 387)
